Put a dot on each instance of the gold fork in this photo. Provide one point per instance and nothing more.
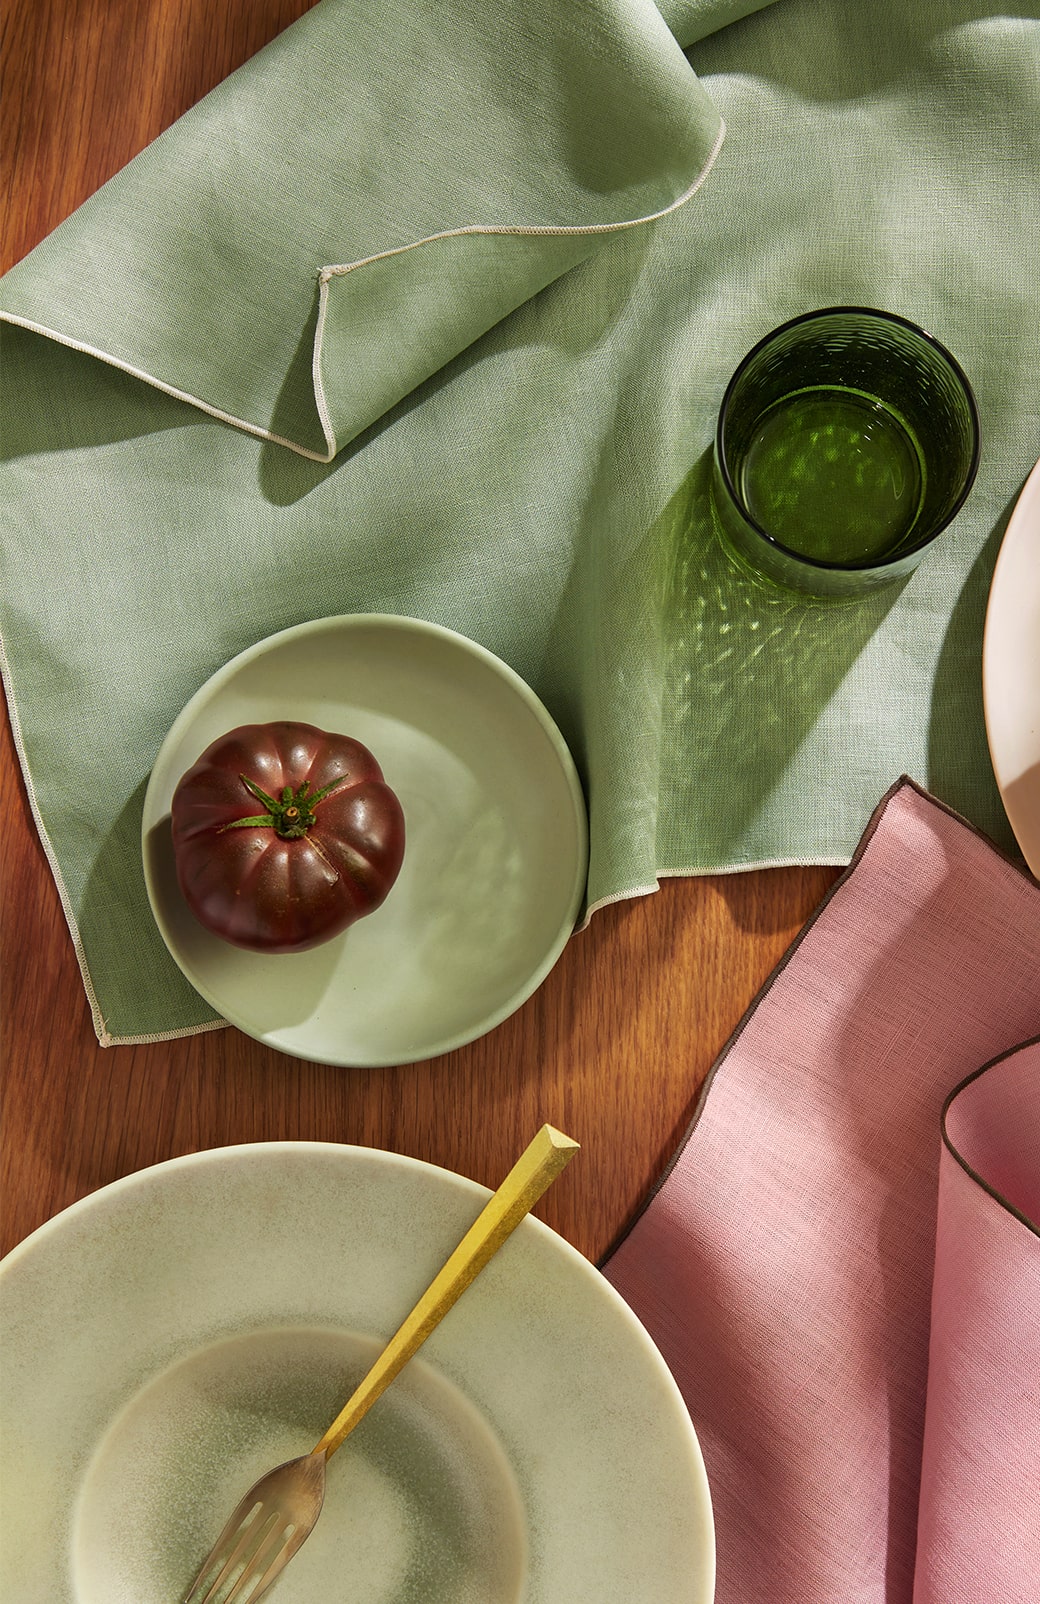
(280, 1510)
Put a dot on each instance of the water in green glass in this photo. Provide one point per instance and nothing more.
(833, 474)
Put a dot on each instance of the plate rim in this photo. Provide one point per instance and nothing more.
(1016, 524)
(245, 1153)
(409, 625)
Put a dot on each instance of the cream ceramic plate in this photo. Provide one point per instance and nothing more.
(177, 1333)
(495, 854)
(1011, 671)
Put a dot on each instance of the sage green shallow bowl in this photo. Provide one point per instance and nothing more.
(496, 846)
(179, 1332)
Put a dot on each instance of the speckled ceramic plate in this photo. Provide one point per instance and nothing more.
(177, 1333)
(495, 854)
(1011, 671)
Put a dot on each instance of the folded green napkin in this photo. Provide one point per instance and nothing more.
(428, 309)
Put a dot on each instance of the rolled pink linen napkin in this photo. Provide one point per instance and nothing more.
(851, 1308)
(979, 1518)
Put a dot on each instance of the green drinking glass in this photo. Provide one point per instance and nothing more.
(847, 440)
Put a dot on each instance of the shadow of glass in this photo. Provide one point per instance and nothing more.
(749, 667)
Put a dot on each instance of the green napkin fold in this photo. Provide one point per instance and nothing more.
(428, 309)
(365, 198)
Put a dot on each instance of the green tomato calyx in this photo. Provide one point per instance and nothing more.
(292, 816)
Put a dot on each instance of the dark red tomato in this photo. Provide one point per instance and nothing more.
(285, 835)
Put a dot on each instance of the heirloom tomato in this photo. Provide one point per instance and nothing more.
(284, 835)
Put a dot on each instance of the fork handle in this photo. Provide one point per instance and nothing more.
(533, 1172)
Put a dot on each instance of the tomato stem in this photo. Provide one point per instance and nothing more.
(291, 816)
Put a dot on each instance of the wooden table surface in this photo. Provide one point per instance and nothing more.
(617, 1041)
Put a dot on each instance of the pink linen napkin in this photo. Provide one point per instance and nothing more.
(850, 1307)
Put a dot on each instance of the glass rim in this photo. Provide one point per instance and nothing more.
(868, 565)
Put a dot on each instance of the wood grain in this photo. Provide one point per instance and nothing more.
(613, 1047)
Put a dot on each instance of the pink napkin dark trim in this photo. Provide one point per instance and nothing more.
(899, 785)
(950, 1145)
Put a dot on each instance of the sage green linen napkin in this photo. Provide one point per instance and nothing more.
(429, 310)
